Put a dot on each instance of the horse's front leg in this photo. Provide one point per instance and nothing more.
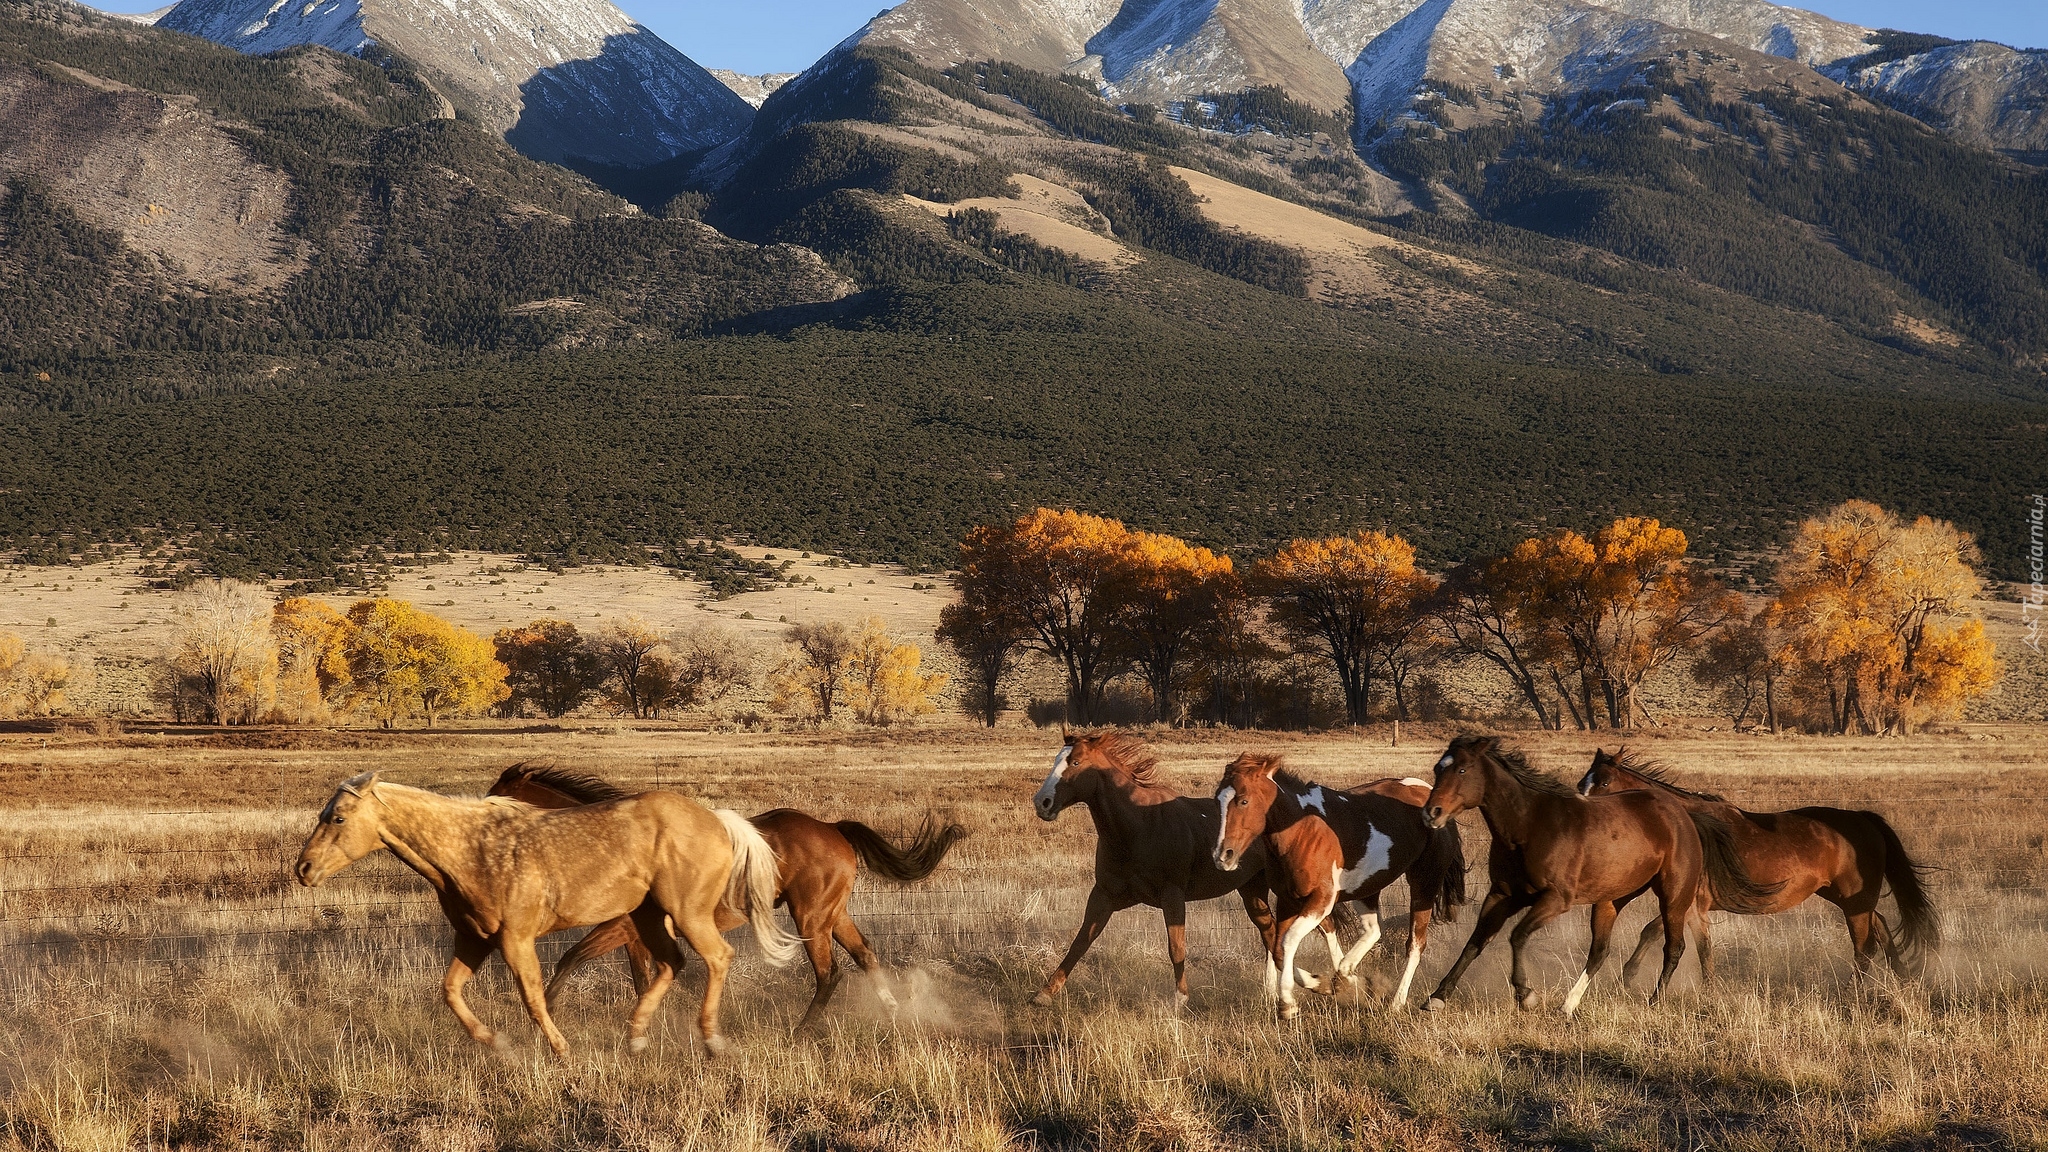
(525, 965)
(1174, 907)
(1548, 906)
(1258, 905)
(1500, 904)
(1101, 906)
(1315, 909)
(471, 951)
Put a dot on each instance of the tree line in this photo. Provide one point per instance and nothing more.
(1867, 628)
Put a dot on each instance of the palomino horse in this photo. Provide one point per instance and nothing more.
(1553, 850)
(816, 864)
(508, 872)
(1842, 856)
(1325, 846)
(1152, 846)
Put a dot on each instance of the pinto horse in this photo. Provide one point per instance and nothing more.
(1843, 856)
(1553, 850)
(1152, 846)
(1325, 846)
(507, 873)
(815, 861)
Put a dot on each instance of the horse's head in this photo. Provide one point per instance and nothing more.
(1059, 792)
(1460, 779)
(1605, 776)
(1088, 761)
(1243, 798)
(350, 828)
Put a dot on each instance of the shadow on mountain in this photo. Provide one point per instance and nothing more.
(636, 103)
(1383, 76)
(653, 188)
(1143, 25)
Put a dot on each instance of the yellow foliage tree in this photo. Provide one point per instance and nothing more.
(1348, 597)
(312, 659)
(224, 648)
(1876, 611)
(405, 662)
(31, 683)
(883, 682)
(1168, 593)
(813, 675)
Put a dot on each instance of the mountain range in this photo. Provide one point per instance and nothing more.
(1251, 266)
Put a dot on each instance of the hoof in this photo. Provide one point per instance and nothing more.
(1433, 1004)
(637, 1044)
(1289, 1011)
(1042, 1000)
(496, 1042)
(716, 1045)
(1530, 1001)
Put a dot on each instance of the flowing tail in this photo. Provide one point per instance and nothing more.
(1446, 853)
(905, 865)
(1919, 928)
(1730, 882)
(751, 888)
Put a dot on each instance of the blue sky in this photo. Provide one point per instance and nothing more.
(787, 35)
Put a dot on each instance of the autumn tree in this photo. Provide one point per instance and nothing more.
(984, 633)
(222, 645)
(705, 663)
(32, 683)
(883, 682)
(1233, 653)
(1058, 576)
(1483, 610)
(312, 658)
(549, 666)
(814, 670)
(1347, 598)
(1877, 612)
(1166, 593)
(629, 649)
(1741, 666)
(405, 662)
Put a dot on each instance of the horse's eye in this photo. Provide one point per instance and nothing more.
(339, 819)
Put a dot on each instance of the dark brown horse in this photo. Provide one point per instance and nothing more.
(1843, 856)
(816, 863)
(1325, 846)
(1554, 849)
(1152, 846)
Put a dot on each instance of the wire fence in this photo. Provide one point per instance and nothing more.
(70, 898)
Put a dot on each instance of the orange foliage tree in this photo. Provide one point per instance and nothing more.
(1349, 598)
(1168, 595)
(312, 658)
(1877, 615)
(549, 666)
(404, 662)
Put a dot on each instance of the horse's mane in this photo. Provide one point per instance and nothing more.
(1130, 754)
(1526, 774)
(1284, 776)
(1656, 772)
(581, 787)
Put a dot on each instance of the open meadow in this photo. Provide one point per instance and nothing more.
(167, 985)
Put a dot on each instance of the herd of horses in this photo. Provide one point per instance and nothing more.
(548, 850)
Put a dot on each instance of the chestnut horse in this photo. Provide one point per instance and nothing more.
(1553, 850)
(1843, 856)
(816, 864)
(507, 873)
(1325, 846)
(1152, 846)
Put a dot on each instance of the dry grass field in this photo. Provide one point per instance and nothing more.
(165, 985)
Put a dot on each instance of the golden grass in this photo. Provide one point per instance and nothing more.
(197, 999)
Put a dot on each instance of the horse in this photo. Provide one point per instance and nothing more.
(1325, 846)
(1554, 849)
(1845, 857)
(1152, 847)
(507, 873)
(816, 864)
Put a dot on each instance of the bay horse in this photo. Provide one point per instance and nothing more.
(507, 873)
(1554, 849)
(816, 863)
(1325, 846)
(1152, 847)
(1843, 856)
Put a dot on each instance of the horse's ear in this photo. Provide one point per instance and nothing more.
(1268, 765)
(358, 784)
(1066, 733)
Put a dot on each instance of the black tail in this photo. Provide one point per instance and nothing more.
(1445, 854)
(1729, 881)
(1919, 928)
(902, 865)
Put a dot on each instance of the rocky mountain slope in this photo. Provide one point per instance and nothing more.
(558, 79)
(1986, 93)
(752, 89)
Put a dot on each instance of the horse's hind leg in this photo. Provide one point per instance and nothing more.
(1652, 932)
(700, 928)
(1674, 913)
(1173, 906)
(525, 966)
(856, 945)
(664, 960)
(1604, 914)
(819, 946)
(1548, 906)
(470, 953)
(606, 937)
(1418, 939)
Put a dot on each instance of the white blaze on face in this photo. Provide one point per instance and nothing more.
(1223, 798)
(1043, 801)
(1446, 762)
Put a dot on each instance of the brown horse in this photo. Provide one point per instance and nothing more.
(1152, 846)
(507, 873)
(1553, 850)
(1325, 846)
(1843, 856)
(816, 865)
